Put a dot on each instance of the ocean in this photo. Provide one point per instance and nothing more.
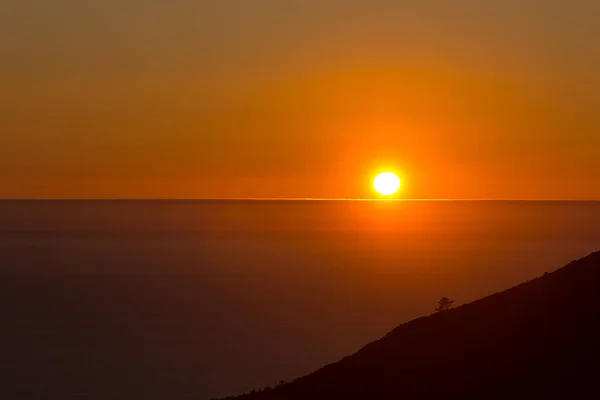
(200, 299)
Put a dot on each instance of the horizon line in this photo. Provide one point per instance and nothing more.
(285, 199)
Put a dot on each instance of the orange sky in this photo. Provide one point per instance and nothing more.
(184, 99)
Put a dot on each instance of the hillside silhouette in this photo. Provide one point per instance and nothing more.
(538, 340)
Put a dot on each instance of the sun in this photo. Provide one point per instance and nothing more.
(387, 183)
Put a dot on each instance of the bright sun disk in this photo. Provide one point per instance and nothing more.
(387, 183)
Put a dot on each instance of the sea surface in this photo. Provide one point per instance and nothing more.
(199, 299)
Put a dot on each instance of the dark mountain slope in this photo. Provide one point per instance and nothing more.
(539, 340)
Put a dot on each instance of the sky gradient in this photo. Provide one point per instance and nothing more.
(299, 98)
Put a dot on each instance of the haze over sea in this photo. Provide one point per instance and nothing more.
(181, 299)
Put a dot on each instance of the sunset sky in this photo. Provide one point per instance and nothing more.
(299, 98)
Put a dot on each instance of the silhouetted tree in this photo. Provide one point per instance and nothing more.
(445, 304)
